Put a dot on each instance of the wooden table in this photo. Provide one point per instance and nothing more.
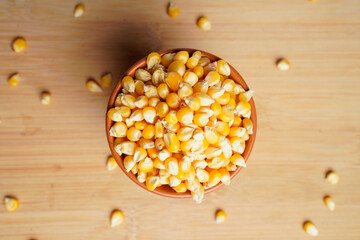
(53, 157)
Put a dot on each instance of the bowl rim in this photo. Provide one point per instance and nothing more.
(167, 191)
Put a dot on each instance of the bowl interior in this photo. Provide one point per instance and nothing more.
(166, 190)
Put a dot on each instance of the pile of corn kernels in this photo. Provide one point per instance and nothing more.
(182, 122)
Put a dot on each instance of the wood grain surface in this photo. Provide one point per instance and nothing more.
(52, 158)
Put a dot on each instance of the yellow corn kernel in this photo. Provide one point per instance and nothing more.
(232, 103)
(186, 145)
(201, 86)
(163, 90)
(166, 59)
(212, 78)
(194, 103)
(148, 132)
(173, 100)
(141, 102)
(218, 162)
(246, 96)
(204, 23)
(152, 59)
(185, 90)
(158, 77)
(212, 152)
(214, 178)
(199, 71)
(181, 188)
(329, 202)
(153, 101)
(164, 154)
(135, 169)
(201, 119)
(181, 56)
(243, 108)
(150, 91)
(191, 78)
(123, 111)
(198, 195)
(140, 125)
(247, 124)
(237, 132)
(197, 54)
(146, 143)
(171, 117)
(152, 182)
(283, 64)
(14, 80)
(222, 128)
(158, 163)
(171, 127)
(238, 88)
(202, 175)
(133, 134)
(159, 143)
(128, 101)
(172, 166)
(185, 164)
(176, 67)
(91, 85)
(215, 92)
(137, 115)
(106, 80)
(149, 114)
(164, 180)
(192, 62)
(237, 144)
(128, 147)
(185, 115)
(116, 218)
(139, 87)
(216, 107)
(11, 203)
(141, 176)
(79, 10)
(203, 61)
(146, 165)
(159, 130)
(237, 121)
(332, 177)
(211, 135)
(245, 137)
(172, 143)
(225, 176)
(205, 100)
(185, 133)
(162, 109)
(231, 167)
(45, 98)
(227, 114)
(202, 164)
(139, 154)
(128, 84)
(119, 129)
(129, 163)
(152, 152)
(228, 85)
(199, 134)
(220, 217)
(310, 228)
(19, 44)
(223, 68)
(174, 181)
(173, 80)
(211, 67)
(224, 99)
(111, 164)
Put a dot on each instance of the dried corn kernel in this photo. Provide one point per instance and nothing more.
(194, 103)
(45, 98)
(137, 115)
(92, 86)
(185, 115)
(119, 129)
(173, 10)
(129, 163)
(14, 80)
(224, 99)
(191, 78)
(116, 218)
(329, 202)
(204, 23)
(180, 188)
(79, 10)
(141, 102)
(177, 67)
(310, 228)
(146, 165)
(171, 117)
(135, 169)
(140, 125)
(152, 59)
(139, 87)
(181, 56)
(128, 84)
(111, 164)
(214, 178)
(202, 175)
(185, 133)
(283, 64)
(141, 176)
(148, 132)
(106, 80)
(149, 114)
(332, 177)
(11, 203)
(150, 91)
(246, 96)
(162, 109)
(223, 68)
(139, 154)
(159, 164)
(215, 92)
(220, 217)
(172, 143)
(228, 85)
(153, 101)
(163, 90)
(19, 44)
(152, 152)
(159, 130)
(212, 78)
(237, 132)
(128, 101)
(199, 71)
(133, 134)
(185, 90)
(166, 59)
(192, 62)
(211, 135)
(203, 61)
(158, 77)
(225, 176)
(172, 166)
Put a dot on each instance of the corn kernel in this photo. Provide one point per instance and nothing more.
(194, 103)
(310, 228)
(247, 123)
(181, 56)
(152, 152)
(246, 96)
(227, 114)
(158, 77)
(116, 218)
(185, 115)
(199, 71)
(162, 109)
(212, 78)
(237, 144)
(149, 114)
(203, 61)
(245, 137)
(152, 182)
(192, 62)
(111, 164)
(237, 132)
(129, 163)
(139, 87)
(19, 44)
(329, 202)
(283, 64)
(119, 129)
(177, 67)
(91, 85)
(185, 90)
(215, 92)
(137, 115)
(332, 177)
(159, 130)
(222, 128)
(146, 165)
(223, 68)
(237, 121)
(211, 135)
(166, 59)
(139, 154)
(128, 101)
(140, 125)
(141, 102)
(231, 167)
(153, 101)
(133, 134)
(225, 176)
(218, 162)
(214, 178)
(146, 143)
(185, 133)
(128, 84)
(171, 117)
(14, 80)
(202, 175)
(212, 152)
(150, 91)
(220, 217)
(11, 203)
(228, 85)
(180, 188)
(163, 90)
(141, 176)
(185, 164)
(148, 132)
(232, 103)
(174, 181)
(224, 99)
(242, 108)
(198, 194)
(191, 78)
(159, 164)
(128, 147)
(204, 23)
(211, 67)
(201, 119)
(173, 80)
(106, 80)
(135, 169)
(45, 98)
(172, 166)
(164, 154)
(172, 143)
(152, 59)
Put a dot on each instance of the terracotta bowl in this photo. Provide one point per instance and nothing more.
(167, 191)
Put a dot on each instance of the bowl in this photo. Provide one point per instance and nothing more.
(167, 191)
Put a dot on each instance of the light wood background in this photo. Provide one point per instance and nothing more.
(53, 157)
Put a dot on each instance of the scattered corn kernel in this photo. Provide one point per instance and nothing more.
(152, 59)
(79, 10)
(220, 216)
(166, 59)
(14, 80)
(11, 203)
(173, 10)
(19, 44)
(111, 164)
(310, 228)
(93, 86)
(116, 218)
(106, 80)
(283, 64)
(329, 202)
(332, 177)
(45, 98)
(204, 23)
